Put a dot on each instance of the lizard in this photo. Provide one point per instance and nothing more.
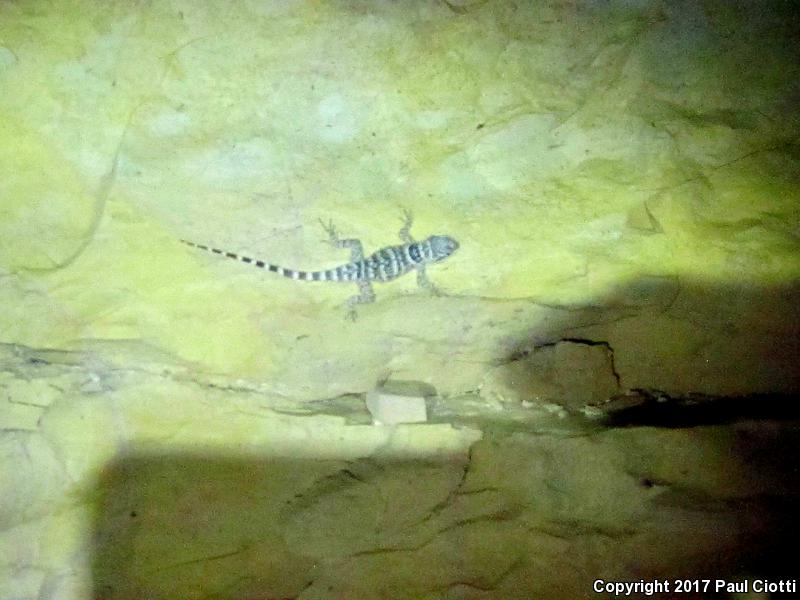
(381, 266)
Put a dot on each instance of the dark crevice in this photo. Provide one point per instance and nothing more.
(657, 409)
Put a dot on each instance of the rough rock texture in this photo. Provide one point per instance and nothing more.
(568, 373)
(622, 178)
(612, 172)
(144, 484)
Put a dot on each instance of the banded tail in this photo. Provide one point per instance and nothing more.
(336, 274)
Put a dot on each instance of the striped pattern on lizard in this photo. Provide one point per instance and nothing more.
(384, 265)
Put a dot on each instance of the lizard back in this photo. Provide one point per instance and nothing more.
(383, 265)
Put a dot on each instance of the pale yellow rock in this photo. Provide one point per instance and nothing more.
(641, 219)
(48, 213)
(15, 413)
(567, 373)
(170, 426)
(556, 200)
(389, 408)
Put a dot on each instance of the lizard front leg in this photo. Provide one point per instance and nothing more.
(405, 232)
(424, 282)
(405, 235)
(356, 248)
(366, 295)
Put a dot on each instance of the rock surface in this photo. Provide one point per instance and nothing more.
(622, 178)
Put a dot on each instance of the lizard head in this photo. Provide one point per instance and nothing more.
(442, 246)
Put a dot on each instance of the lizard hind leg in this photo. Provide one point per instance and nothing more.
(355, 246)
(366, 295)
